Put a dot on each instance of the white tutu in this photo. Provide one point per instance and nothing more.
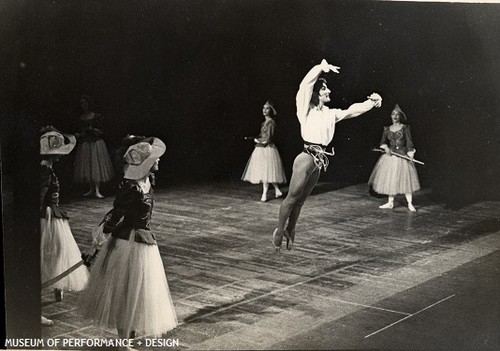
(393, 175)
(59, 251)
(92, 163)
(128, 289)
(264, 166)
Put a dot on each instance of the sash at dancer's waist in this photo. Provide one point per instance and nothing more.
(308, 143)
(318, 153)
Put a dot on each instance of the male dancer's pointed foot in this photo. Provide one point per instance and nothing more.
(290, 238)
(277, 240)
(412, 208)
(387, 205)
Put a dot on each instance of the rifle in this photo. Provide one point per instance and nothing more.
(398, 155)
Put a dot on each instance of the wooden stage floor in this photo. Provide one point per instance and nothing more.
(232, 291)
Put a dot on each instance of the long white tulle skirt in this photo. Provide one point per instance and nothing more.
(264, 166)
(128, 289)
(59, 251)
(92, 163)
(393, 175)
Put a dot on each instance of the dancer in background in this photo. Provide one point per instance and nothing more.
(265, 165)
(128, 289)
(317, 125)
(92, 162)
(393, 175)
(58, 250)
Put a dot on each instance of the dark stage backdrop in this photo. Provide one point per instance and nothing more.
(197, 72)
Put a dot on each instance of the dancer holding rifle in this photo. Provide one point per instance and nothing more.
(265, 165)
(395, 172)
(317, 124)
(128, 288)
(58, 248)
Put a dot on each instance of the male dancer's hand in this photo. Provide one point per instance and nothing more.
(376, 98)
(326, 67)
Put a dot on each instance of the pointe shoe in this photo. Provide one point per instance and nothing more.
(278, 193)
(88, 193)
(58, 294)
(387, 205)
(290, 238)
(263, 198)
(47, 322)
(412, 208)
(277, 240)
(99, 195)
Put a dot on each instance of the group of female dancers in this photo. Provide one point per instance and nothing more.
(127, 288)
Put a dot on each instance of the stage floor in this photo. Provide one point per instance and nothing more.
(358, 277)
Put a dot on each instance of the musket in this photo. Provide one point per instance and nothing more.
(398, 155)
(86, 260)
(63, 274)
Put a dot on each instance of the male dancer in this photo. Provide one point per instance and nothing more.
(317, 124)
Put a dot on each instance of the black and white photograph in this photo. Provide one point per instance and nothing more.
(250, 174)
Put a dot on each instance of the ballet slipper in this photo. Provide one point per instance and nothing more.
(278, 193)
(263, 198)
(277, 240)
(290, 238)
(47, 322)
(387, 205)
(412, 208)
(99, 195)
(58, 294)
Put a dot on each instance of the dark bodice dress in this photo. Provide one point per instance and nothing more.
(91, 129)
(131, 213)
(400, 141)
(49, 194)
(266, 133)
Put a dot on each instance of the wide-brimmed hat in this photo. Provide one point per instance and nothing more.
(141, 157)
(55, 143)
(271, 106)
(398, 110)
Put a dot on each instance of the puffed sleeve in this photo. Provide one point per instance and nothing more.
(45, 176)
(267, 133)
(304, 94)
(384, 141)
(128, 197)
(409, 141)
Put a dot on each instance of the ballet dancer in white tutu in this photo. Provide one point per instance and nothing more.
(394, 175)
(93, 164)
(265, 165)
(58, 250)
(128, 288)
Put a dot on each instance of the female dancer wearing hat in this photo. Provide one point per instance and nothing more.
(264, 165)
(317, 124)
(394, 175)
(59, 250)
(93, 165)
(128, 289)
